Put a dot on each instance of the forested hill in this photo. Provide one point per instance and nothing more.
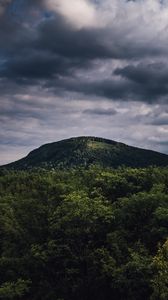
(85, 151)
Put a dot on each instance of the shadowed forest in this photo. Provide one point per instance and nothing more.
(95, 233)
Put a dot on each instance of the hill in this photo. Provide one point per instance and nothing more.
(85, 151)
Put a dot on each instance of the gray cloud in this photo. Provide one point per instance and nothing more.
(150, 80)
(103, 75)
(101, 112)
(51, 46)
(162, 120)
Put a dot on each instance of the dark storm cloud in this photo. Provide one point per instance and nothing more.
(142, 82)
(145, 74)
(128, 84)
(111, 89)
(59, 37)
(35, 66)
(50, 49)
(65, 73)
(147, 81)
(53, 47)
(56, 36)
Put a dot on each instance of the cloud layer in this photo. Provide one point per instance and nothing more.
(83, 67)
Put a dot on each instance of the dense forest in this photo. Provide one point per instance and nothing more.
(84, 234)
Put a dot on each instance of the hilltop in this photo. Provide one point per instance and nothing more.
(85, 151)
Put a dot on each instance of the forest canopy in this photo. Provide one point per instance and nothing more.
(95, 233)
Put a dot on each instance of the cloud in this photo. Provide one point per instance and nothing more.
(158, 116)
(49, 46)
(35, 66)
(149, 81)
(101, 112)
(79, 13)
(83, 67)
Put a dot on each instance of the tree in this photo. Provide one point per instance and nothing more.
(160, 279)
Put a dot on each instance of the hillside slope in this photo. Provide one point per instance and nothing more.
(84, 151)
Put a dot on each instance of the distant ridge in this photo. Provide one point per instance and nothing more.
(88, 150)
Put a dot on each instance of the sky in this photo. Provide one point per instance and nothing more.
(83, 67)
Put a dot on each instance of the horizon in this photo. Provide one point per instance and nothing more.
(76, 137)
(83, 68)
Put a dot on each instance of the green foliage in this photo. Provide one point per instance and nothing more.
(160, 279)
(11, 290)
(84, 234)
